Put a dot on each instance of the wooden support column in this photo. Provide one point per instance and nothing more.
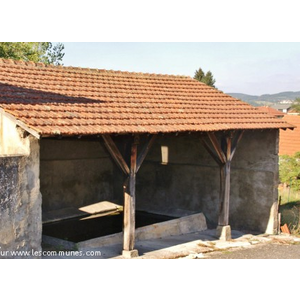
(129, 187)
(129, 201)
(225, 169)
(222, 152)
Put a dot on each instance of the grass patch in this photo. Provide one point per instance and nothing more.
(290, 209)
(288, 195)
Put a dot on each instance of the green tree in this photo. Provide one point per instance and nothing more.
(199, 75)
(207, 78)
(44, 52)
(296, 105)
(289, 170)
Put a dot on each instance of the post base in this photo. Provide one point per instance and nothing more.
(224, 232)
(130, 253)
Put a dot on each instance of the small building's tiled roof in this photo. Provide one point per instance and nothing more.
(283, 106)
(272, 111)
(289, 140)
(74, 101)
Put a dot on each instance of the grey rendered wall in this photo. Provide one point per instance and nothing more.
(75, 173)
(254, 182)
(20, 203)
(190, 181)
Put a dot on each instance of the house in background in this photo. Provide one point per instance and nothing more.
(282, 107)
(289, 140)
(271, 111)
(168, 145)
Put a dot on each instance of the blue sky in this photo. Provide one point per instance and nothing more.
(250, 68)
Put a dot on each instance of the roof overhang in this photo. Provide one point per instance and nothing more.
(20, 123)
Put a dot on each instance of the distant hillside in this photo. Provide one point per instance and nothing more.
(266, 99)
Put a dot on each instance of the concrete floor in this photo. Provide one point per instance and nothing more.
(202, 244)
(171, 247)
(192, 245)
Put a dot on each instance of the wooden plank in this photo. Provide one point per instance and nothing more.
(145, 151)
(115, 153)
(129, 203)
(217, 147)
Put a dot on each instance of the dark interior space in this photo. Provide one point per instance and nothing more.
(81, 229)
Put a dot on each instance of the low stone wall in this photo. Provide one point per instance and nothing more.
(184, 225)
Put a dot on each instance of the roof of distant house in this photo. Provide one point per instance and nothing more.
(272, 111)
(289, 140)
(281, 106)
(54, 100)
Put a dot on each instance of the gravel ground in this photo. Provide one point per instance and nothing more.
(264, 251)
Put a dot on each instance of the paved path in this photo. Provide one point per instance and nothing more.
(265, 251)
(205, 245)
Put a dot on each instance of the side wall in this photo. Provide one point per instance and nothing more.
(189, 183)
(254, 183)
(75, 173)
(20, 198)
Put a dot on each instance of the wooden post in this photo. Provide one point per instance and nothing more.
(224, 205)
(223, 153)
(129, 202)
(129, 187)
(225, 169)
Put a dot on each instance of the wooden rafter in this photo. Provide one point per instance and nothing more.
(145, 151)
(211, 151)
(115, 153)
(217, 147)
(235, 142)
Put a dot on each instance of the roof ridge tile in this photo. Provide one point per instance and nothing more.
(86, 70)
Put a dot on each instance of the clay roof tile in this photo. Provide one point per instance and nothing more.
(76, 101)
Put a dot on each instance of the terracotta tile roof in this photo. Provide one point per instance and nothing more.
(272, 111)
(289, 140)
(74, 101)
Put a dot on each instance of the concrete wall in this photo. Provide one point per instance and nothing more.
(75, 173)
(255, 181)
(189, 183)
(20, 198)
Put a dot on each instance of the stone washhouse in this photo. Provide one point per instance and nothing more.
(167, 145)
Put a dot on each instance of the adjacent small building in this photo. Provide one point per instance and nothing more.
(282, 107)
(169, 145)
(289, 140)
(272, 111)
